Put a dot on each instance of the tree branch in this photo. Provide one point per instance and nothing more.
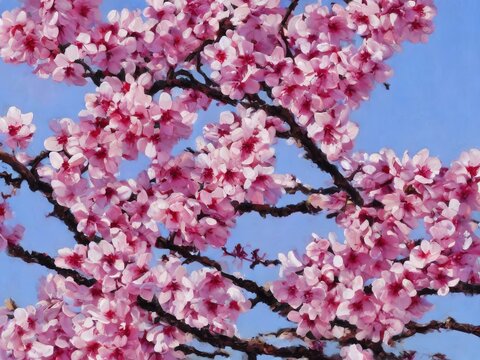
(34, 257)
(283, 26)
(204, 334)
(190, 350)
(262, 295)
(38, 159)
(461, 287)
(35, 184)
(308, 190)
(282, 333)
(186, 252)
(413, 328)
(10, 180)
(67, 217)
(23, 171)
(290, 10)
(96, 76)
(254, 258)
(191, 84)
(302, 207)
(224, 25)
(315, 154)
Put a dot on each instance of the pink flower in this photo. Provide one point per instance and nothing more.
(442, 278)
(425, 253)
(355, 352)
(17, 128)
(393, 289)
(357, 307)
(66, 136)
(67, 69)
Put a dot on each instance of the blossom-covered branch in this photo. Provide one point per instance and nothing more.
(48, 262)
(280, 75)
(35, 184)
(248, 346)
(263, 295)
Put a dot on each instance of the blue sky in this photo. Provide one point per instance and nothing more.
(432, 104)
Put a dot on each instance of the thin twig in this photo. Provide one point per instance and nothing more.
(283, 26)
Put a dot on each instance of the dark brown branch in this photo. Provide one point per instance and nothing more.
(217, 340)
(224, 25)
(204, 334)
(313, 152)
(37, 159)
(205, 77)
(34, 257)
(190, 350)
(461, 287)
(281, 333)
(290, 10)
(250, 346)
(283, 26)
(67, 217)
(10, 180)
(413, 328)
(96, 76)
(302, 207)
(22, 170)
(191, 84)
(308, 190)
(187, 253)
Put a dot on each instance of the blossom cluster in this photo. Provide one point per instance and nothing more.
(320, 73)
(76, 322)
(377, 277)
(58, 37)
(316, 65)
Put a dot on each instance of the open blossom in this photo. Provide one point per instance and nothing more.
(65, 130)
(67, 69)
(425, 253)
(17, 128)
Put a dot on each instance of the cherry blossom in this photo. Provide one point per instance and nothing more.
(17, 128)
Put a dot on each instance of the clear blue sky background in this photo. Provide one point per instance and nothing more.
(433, 103)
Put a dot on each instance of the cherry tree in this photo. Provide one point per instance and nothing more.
(138, 283)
